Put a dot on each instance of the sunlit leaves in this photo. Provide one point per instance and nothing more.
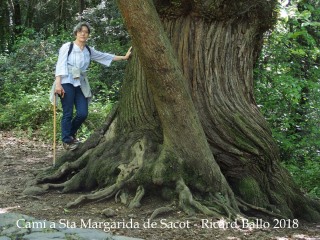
(288, 88)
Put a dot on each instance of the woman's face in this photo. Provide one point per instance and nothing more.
(83, 34)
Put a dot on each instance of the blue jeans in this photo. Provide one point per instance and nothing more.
(73, 96)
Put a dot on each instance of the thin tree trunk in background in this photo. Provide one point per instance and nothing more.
(60, 15)
(17, 17)
(82, 6)
(15, 12)
(30, 13)
(11, 26)
(4, 25)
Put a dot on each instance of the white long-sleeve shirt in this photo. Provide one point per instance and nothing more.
(80, 59)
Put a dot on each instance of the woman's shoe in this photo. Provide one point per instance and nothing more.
(71, 146)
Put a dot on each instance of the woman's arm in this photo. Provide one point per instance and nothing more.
(126, 57)
(107, 58)
(61, 68)
(58, 88)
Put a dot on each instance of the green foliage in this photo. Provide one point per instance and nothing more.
(27, 74)
(307, 176)
(288, 87)
(108, 35)
(26, 111)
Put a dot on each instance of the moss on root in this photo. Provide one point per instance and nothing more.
(249, 191)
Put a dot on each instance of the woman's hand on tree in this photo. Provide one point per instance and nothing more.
(128, 54)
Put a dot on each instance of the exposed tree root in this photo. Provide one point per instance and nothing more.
(124, 197)
(68, 186)
(187, 202)
(264, 211)
(116, 196)
(159, 211)
(126, 175)
(135, 203)
(65, 169)
(99, 195)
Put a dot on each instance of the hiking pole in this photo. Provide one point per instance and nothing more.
(54, 128)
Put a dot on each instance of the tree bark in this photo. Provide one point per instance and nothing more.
(5, 38)
(17, 17)
(187, 116)
(82, 6)
(61, 11)
(30, 13)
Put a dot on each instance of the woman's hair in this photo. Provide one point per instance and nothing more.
(79, 26)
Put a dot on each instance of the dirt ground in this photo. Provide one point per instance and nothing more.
(21, 159)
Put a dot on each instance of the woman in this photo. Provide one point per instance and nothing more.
(71, 82)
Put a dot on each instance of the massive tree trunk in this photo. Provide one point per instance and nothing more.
(187, 122)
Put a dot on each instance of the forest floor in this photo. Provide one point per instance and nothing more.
(21, 159)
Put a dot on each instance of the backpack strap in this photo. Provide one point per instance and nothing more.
(88, 49)
(71, 47)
